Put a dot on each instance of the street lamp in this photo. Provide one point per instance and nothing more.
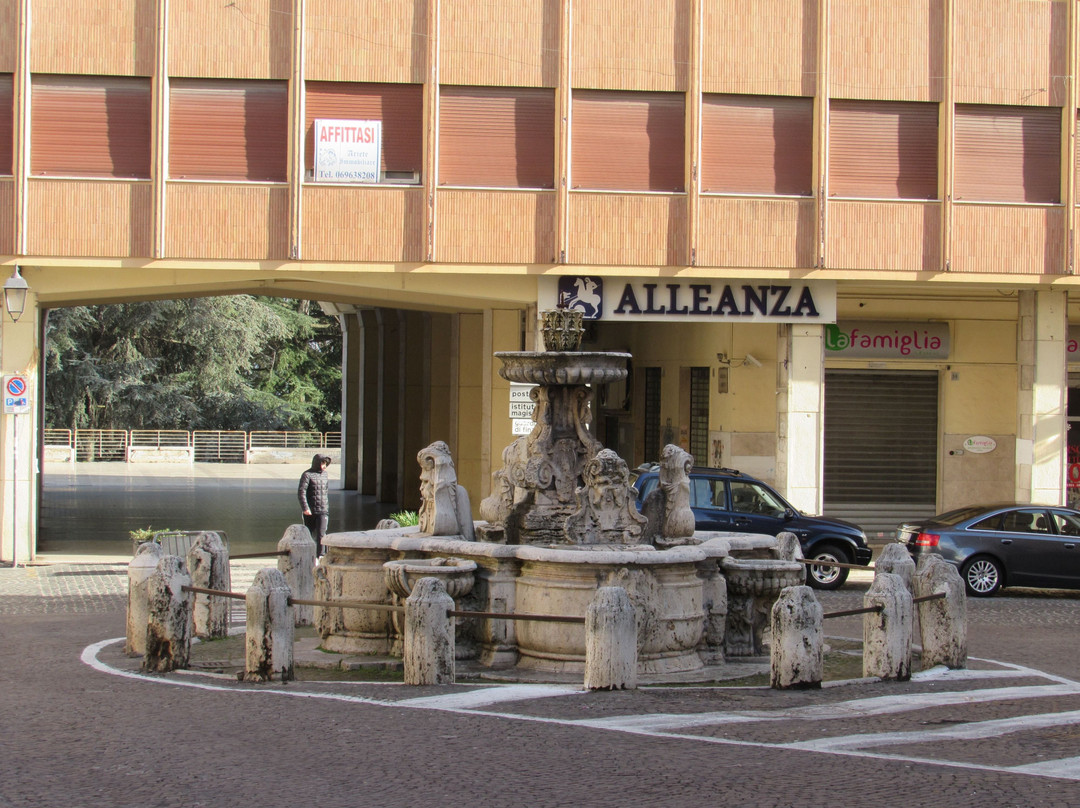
(15, 289)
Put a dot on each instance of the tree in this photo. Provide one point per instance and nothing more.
(237, 362)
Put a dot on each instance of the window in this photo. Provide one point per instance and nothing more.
(497, 137)
(1008, 154)
(1066, 523)
(628, 141)
(754, 144)
(749, 497)
(699, 412)
(400, 107)
(883, 149)
(652, 414)
(7, 124)
(90, 126)
(228, 130)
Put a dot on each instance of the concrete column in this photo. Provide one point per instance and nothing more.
(610, 641)
(298, 567)
(797, 658)
(429, 635)
(800, 408)
(352, 365)
(887, 632)
(895, 558)
(140, 569)
(268, 644)
(942, 622)
(368, 394)
(169, 622)
(415, 403)
(1042, 330)
(390, 440)
(208, 564)
(19, 433)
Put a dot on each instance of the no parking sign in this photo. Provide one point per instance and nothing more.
(16, 395)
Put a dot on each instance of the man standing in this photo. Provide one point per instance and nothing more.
(314, 494)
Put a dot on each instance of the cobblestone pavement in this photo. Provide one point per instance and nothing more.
(80, 727)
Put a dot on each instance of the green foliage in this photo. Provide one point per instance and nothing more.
(144, 534)
(406, 518)
(237, 362)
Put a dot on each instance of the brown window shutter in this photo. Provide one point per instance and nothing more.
(1008, 154)
(228, 130)
(883, 149)
(628, 141)
(757, 144)
(497, 137)
(90, 126)
(400, 107)
(7, 128)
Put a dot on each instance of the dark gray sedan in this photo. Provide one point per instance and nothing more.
(1003, 545)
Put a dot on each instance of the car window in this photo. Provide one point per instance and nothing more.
(646, 486)
(1067, 524)
(706, 493)
(1022, 521)
(747, 497)
(989, 523)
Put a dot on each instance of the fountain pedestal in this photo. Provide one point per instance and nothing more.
(753, 585)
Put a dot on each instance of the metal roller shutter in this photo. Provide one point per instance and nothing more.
(628, 141)
(1007, 154)
(90, 126)
(753, 144)
(400, 107)
(228, 130)
(883, 149)
(881, 436)
(501, 137)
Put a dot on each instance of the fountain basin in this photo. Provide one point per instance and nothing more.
(677, 594)
(568, 367)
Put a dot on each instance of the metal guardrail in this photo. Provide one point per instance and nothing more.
(207, 445)
(101, 444)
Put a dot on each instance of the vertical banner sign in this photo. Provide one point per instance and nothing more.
(16, 395)
(347, 151)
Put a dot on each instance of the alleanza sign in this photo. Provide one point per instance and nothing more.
(887, 340)
(666, 300)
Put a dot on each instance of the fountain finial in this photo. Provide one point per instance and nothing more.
(562, 328)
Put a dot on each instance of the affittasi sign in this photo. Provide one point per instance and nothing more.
(675, 300)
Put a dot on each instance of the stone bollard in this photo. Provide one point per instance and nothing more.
(887, 633)
(140, 569)
(788, 547)
(208, 564)
(429, 635)
(896, 559)
(610, 641)
(942, 622)
(268, 646)
(797, 658)
(169, 619)
(298, 567)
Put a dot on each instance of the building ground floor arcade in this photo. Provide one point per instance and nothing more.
(876, 401)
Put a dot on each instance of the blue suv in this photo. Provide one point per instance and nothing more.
(726, 499)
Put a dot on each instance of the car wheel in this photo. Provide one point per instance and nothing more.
(982, 576)
(826, 577)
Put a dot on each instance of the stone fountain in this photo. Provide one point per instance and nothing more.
(560, 523)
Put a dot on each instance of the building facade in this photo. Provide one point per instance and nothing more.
(838, 236)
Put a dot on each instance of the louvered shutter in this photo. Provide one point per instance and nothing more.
(756, 145)
(90, 126)
(400, 107)
(1008, 154)
(7, 124)
(883, 149)
(228, 130)
(628, 141)
(497, 137)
